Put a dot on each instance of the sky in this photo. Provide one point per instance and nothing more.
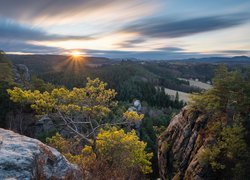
(143, 29)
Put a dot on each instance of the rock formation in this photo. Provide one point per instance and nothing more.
(179, 145)
(137, 107)
(22, 157)
(21, 74)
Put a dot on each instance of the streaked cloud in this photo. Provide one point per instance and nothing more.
(172, 28)
(12, 30)
(146, 55)
(106, 42)
(15, 46)
(132, 28)
(50, 12)
(235, 52)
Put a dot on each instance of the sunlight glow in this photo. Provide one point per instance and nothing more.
(74, 62)
(76, 54)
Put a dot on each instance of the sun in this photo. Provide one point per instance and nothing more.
(76, 54)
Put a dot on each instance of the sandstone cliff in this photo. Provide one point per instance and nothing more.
(179, 145)
(22, 157)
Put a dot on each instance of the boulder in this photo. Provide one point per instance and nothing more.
(137, 105)
(22, 157)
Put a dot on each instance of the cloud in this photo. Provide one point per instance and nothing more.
(15, 46)
(131, 43)
(235, 52)
(10, 30)
(118, 28)
(144, 55)
(50, 12)
(32, 9)
(173, 49)
(172, 28)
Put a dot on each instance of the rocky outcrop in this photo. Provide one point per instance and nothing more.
(22, 157)
(179, 145)
(21, 74)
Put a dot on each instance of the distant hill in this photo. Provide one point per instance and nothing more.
(53, 68)
(103, 60)
(47, 63)
(124, 74)
(230, 60)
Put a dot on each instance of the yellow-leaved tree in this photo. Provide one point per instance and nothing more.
(83, 111)
(133, 116)
(118, 154)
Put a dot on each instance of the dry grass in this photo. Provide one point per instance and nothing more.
(182, 95)
(198, 84)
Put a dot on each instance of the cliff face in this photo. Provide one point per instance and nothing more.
(179, 145)
(26, 158)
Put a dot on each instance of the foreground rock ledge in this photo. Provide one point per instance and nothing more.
(22, 157)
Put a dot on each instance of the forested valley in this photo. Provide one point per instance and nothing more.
(106, 115)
